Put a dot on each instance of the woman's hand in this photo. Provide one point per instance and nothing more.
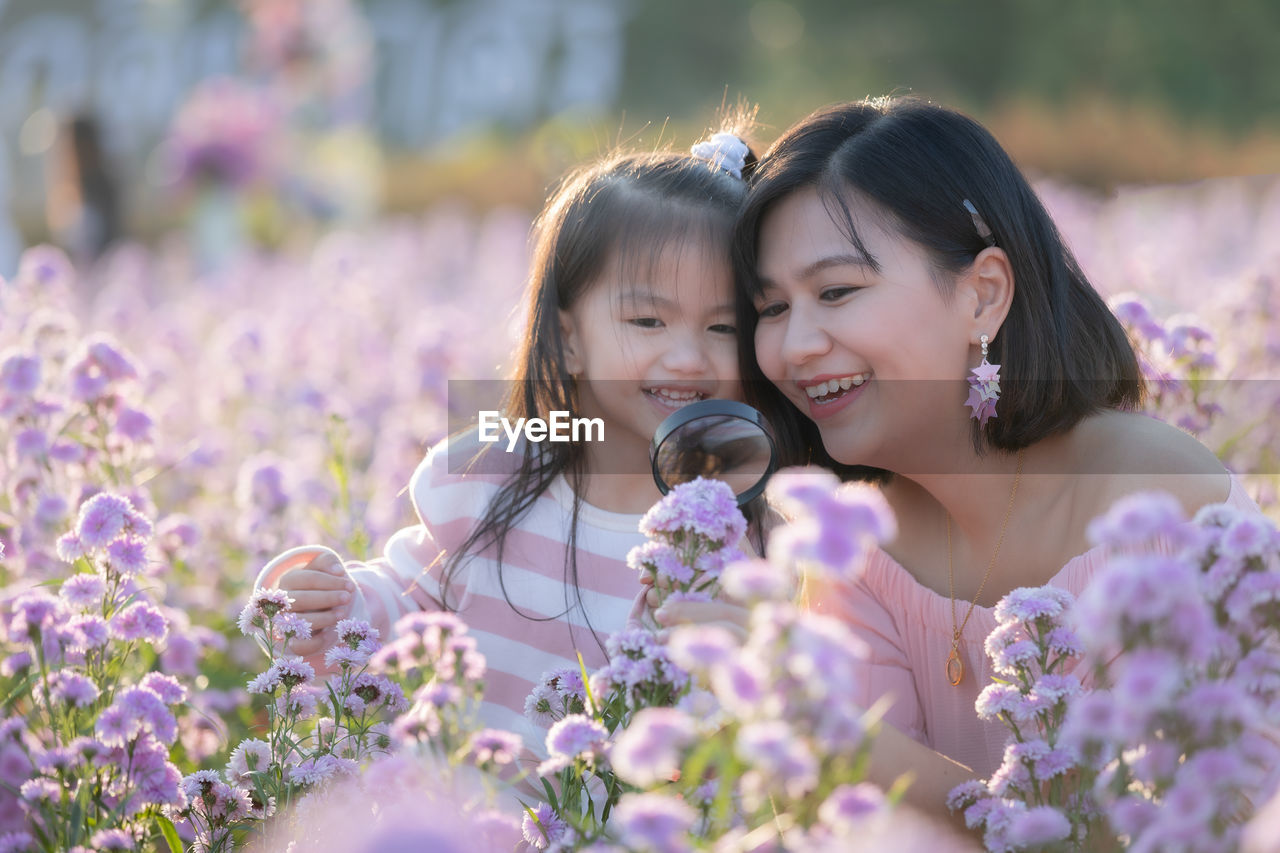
(732, 617)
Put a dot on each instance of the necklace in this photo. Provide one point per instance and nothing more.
(955, 665)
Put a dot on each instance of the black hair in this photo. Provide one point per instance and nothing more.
(627, 206)
(1063, 354)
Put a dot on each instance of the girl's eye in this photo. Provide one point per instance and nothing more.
(773, 309)
(646, 322)
(723, 329)
(832, 294)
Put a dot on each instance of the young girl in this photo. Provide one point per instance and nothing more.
(887, 251)
(630, 317)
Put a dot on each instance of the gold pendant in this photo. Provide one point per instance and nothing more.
(955, 667)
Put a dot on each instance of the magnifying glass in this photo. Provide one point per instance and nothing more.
(717, 439)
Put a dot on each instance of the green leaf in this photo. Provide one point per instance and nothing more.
(170, 833)
(586, 688)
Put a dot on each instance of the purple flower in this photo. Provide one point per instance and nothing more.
(345, 658)
(1006, 699)
(250, 756)
(69, 547)
(31, 443)
(543, 706)
(133, 424)
(834, 524)
(102, 519)
(127, 555)
(358, 634)
(90, 631)
(494, 747)
(750, 581)
(966, 794)
(292, 672)
(697, 648)
(73, 688)
(704, 507)
(1029, 604)
(773, 748)
(1051, 689)
(139, 621)
(1146, 680)
(658, 559)
(112, 839)
(848, 805)
(83, 591)
(1038, 826)
(19, 374)
(653, 822)
(647, 752)
(1138, 518)
(291, 625)
(168, 688)
(543, 827)
(261, 485)
(576, 736)
(263, 605)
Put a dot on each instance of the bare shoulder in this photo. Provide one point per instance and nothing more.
(1133, 452)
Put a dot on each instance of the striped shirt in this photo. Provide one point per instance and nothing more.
(518, 650)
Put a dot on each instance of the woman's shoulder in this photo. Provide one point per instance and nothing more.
(1131, 452)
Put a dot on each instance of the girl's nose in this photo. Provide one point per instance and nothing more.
(803, 338)
(686, 355)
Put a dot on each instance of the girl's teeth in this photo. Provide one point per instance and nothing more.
(677, 397)
(858, 380)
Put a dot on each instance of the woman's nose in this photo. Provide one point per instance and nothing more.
(803, 338)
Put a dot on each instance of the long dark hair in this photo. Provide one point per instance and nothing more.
(1063, 353)
(627, 206)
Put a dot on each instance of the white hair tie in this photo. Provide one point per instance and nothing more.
(723, 150)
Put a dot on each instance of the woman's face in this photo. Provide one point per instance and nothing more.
(871, 355)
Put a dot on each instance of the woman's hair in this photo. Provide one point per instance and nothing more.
(623, 209)
(1062, 353)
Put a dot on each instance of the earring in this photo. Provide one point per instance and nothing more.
(984, 388)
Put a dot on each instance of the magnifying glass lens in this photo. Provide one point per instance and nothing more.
(715, 439)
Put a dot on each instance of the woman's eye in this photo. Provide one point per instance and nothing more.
(773, 309)
(831, 294)
(646, 322)
(723, 329)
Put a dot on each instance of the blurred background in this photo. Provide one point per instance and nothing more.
(260, 122)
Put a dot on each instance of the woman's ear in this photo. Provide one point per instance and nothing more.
(986, 290)
(572, 343)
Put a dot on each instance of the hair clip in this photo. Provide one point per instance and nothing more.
(984, 231)
(725, 151)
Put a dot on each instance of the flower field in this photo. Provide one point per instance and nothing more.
(164, 433)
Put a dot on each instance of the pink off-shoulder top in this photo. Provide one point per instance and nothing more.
(908, 629)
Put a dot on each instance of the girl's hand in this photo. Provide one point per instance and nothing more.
(322, 593)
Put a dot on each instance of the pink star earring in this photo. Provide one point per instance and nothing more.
(984, 388)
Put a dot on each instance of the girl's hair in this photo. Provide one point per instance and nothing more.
(1063, 354)
(622, 209)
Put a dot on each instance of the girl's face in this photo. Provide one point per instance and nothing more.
(644, 346)
(871, 356)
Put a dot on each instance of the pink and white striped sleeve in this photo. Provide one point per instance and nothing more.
(406, 579)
